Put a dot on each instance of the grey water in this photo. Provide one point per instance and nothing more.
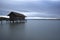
(31, 30)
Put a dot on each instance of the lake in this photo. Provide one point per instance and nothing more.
(31, 30)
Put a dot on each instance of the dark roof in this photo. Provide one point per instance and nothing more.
(16, 14)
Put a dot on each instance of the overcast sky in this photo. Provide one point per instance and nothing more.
(37, 8)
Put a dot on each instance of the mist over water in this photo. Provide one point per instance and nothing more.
(31, 30)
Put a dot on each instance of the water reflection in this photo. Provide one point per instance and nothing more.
(32, 30)
(12, 31)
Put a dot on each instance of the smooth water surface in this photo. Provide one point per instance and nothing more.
(31, 30)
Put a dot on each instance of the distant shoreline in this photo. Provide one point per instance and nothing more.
(42, 19)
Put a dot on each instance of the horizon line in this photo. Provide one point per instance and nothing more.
(34, 17)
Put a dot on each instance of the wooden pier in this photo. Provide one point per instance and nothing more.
(8, 21)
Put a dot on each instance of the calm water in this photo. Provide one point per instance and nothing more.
(31, 30)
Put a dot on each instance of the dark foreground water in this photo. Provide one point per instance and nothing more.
(31, 30)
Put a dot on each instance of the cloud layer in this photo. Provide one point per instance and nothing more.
(40, 8)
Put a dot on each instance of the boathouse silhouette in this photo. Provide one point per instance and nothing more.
(14, 16)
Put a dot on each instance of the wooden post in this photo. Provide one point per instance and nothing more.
(10, 21)
(1, 21)
(13, 21)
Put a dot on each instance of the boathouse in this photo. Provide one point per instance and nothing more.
(14, 16)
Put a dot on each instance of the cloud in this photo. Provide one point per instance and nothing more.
(45, 8)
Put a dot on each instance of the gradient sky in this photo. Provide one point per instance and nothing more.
(36, 8)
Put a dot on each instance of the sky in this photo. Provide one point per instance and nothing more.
(31, 8)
